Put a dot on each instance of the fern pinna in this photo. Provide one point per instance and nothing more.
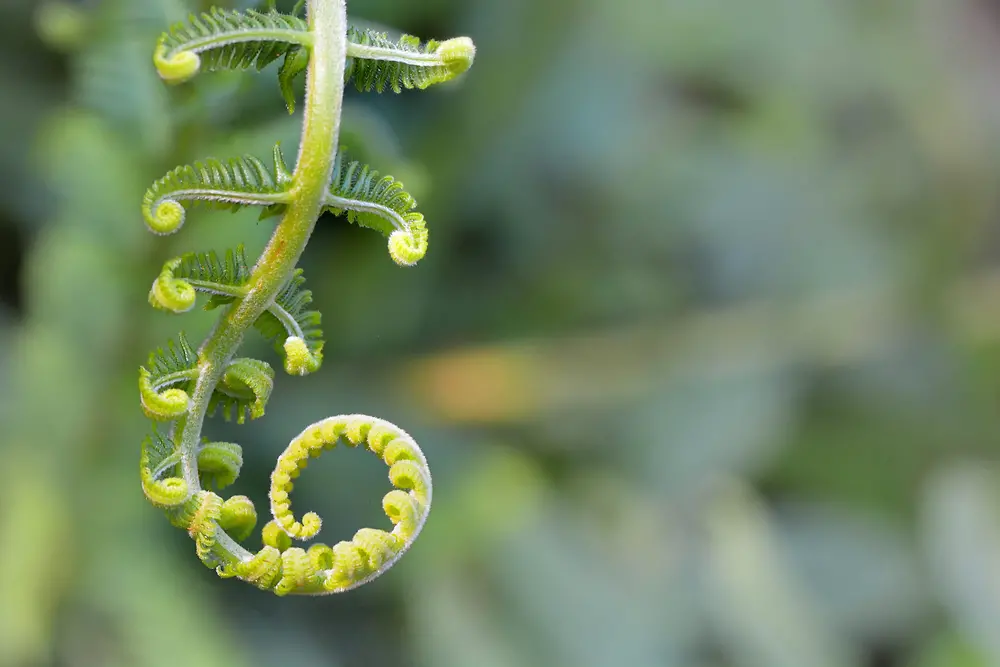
(180, 385)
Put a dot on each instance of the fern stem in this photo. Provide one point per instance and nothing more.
(287, 321)
(317, 155)
(415, 58)
(268, 34)
(217, 288)
(172, 379)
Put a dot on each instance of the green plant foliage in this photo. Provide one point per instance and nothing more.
(705, 357)
(378, 63)
(231, 184)
(181, 386)
(224, 39)
(289, 318)
(355, 189)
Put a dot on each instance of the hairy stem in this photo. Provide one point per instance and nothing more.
(317, 153)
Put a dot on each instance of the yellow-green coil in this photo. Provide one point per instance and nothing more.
(408, 246)
(219, 463)
(161, 406)
(165, 218)
(238, 517)
(458, 54)
(371, 551)
(178, 68)
(263, 570)
(165, 493)
(172, 294)
(298, 359)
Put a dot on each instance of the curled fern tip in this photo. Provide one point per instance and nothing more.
(299, 360)
(407, 247)
(178, 67)
(458, 54)
(164, 218)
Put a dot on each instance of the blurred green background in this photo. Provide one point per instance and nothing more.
(705, 355)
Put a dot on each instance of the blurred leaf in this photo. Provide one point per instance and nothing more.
(860, 570)
(951, 651)
(962, 539)
(36, 560)
(763, 615)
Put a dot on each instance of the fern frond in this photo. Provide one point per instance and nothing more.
(294, 328)
(238, 518)
(158, 458)
(219, 464)
(378, 63)
(167, 367)
(379, 203)
(175, 288)
(228, 39)
(173, 364)
(182, 385)
(288, 322)
(244, 389)
(237, 182)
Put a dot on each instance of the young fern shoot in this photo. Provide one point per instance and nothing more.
(180, 386)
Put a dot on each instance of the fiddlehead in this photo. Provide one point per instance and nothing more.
(380, 204)
(159, 457)
(226, 39)
(232, 184)
(378, 63)
(180, 386)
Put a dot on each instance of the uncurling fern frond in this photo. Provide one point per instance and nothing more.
(233, 184)
(378, 63)
(294, 328)
(288, 322)
(379, 203)
(158, 458)
(227, 39)
(243, 391)
(219, 464)
(175, 289)
(368, 199)
(182, 473)
(160, 380)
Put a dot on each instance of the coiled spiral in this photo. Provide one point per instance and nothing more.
(278, 566)
(324, 569)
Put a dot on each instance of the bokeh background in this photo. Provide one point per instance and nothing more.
(705, 355)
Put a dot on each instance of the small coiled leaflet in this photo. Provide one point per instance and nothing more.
(170, 293)
(408, 246)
